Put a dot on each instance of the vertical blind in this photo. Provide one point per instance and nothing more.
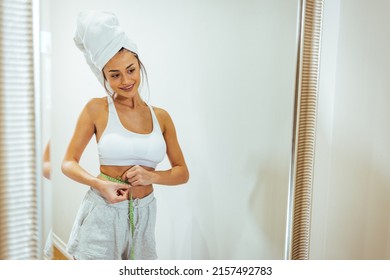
(19, 231)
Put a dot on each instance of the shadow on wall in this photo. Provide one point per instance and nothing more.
(203, 235)
(351, 220)
(377, 239)
(360, 203)
(268, 206)
(201, 249)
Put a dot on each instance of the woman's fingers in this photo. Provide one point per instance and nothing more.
(123, 192)
(114, 192)
(129, 173)
(138, 176)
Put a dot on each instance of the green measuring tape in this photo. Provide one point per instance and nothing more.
(131, 209)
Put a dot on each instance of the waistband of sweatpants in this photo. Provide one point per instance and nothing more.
(137, 202)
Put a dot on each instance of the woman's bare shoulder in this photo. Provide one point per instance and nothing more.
(160, 112)
(97, 102)
(96, 105)
(163, 118)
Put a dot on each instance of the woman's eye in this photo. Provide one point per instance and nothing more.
(131, 70)
(115, 76)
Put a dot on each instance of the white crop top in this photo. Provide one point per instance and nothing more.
(121, 147)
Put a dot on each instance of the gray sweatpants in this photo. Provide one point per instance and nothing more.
(102, 231)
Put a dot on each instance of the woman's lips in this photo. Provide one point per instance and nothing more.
(127, 88)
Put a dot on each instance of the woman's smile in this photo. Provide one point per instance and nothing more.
(127, 88)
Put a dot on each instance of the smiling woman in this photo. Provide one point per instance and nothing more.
(113, 74)
(225, 72)
(128, 151)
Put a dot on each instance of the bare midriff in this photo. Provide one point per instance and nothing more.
(118, 171)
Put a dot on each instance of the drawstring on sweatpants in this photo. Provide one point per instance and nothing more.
(131, 209)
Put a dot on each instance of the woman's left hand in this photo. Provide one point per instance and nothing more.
(138, 176)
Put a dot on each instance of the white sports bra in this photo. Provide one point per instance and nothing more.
(120, 147)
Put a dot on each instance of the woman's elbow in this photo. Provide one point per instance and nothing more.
(65, 166)
(186, 176)
(46, 170)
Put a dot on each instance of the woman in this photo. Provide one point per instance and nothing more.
(117, 217)
(46, 161)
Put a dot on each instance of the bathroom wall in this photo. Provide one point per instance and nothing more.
(351, 191)
(225, 71)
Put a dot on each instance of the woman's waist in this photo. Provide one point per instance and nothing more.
(119, 171)
(116, 174)
(94, 195)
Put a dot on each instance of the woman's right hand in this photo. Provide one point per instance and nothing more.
(113, 192)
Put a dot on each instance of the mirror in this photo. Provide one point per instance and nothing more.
(225, 72)
(351, 184)
(46, 131)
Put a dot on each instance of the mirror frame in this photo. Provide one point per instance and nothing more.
(304, 130)
(310, 13)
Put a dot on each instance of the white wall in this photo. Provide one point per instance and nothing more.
(351, 200)
(225, 71)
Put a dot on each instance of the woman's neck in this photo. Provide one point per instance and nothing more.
(132, 102)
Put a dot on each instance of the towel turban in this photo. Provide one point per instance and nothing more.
(99, 37)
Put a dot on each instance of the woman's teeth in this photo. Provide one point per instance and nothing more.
(127, 88)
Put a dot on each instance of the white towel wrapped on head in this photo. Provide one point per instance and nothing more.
(99, 37)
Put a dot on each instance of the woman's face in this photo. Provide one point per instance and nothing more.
(123, 74)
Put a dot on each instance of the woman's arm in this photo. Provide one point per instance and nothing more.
(46, 161)
(178, 174)
(83, 133)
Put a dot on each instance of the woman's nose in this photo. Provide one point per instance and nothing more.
(125, 79)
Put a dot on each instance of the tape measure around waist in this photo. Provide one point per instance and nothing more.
(131, 209)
